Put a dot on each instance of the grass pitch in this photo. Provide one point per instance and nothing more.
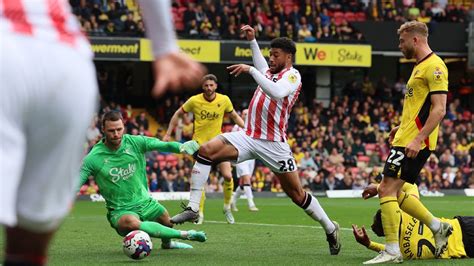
(279, 234)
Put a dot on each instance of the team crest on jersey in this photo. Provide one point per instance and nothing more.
(292, 78)
(437, 74)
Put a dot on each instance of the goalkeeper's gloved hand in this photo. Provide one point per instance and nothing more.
(189, 147)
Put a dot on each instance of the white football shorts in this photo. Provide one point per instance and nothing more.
(245, 168)
(48, 96)
(275, 155)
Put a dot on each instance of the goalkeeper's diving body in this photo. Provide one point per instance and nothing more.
(118, 165)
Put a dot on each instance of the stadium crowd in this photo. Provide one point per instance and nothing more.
(341, 146)
(304, 20)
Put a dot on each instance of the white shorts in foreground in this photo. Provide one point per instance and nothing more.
(48, 95)
(275, 155)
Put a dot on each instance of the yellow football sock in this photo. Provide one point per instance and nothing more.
(201, 204)
(390, 218)
(413, 206)
(228, 189)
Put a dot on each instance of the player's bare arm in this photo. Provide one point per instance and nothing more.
(173, 123)
(437, 113)
(392, 134)
(237, 119)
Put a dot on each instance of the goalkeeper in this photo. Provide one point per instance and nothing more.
(118, 165)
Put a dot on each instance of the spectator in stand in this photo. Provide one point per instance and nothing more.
(308, 162)
(142, 120)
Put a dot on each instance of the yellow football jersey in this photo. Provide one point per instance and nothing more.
(417, 241)
(208, 115)
(428, 77)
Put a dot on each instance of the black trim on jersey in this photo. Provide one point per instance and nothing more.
(425, 110)
(424, 58)
(438, 92)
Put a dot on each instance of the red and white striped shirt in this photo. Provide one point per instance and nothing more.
(48, 20)
(268, 116)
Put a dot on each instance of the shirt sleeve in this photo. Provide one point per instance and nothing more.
(259, 61)
(87, 170)
(188, 105)
(159, 23)
(376, 246)
(289, 83)
(154, 144)
(229, 107)
(437, 78)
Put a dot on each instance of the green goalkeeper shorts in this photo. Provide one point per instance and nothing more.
(149, 211)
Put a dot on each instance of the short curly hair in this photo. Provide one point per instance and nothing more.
(284, 43)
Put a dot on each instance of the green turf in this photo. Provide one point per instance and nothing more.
(267, 237)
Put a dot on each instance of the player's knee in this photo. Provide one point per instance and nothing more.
(385, 190)
(129, 223)
(227, 176)
(205, 151)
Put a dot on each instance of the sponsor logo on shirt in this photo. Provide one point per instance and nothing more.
(118, 173)
(205, 115)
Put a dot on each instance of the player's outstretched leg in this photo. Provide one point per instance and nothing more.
(200, 173)
(218, 149)
(441, 230)
(292, 187)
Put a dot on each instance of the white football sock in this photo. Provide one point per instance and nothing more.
(236, 195)
(435, 225)
(249, 195)
(199, 177)
(317, 213)
(392, 248)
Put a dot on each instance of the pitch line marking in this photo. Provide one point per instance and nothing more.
(274, 225)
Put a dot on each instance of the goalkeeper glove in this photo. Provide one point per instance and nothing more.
(189, 147)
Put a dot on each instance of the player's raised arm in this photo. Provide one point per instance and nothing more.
(258, 60)
(237, 119)
(153, 144)
(173, 123)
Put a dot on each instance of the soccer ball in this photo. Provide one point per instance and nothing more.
(137, 245)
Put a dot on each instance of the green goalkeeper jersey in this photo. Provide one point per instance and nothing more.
(121, 174)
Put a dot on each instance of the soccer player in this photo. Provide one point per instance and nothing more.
(264, 137)
(413, 140)
(244, 172)
(118, 165)
(209, 109)
(49, 92)
(415, 240)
